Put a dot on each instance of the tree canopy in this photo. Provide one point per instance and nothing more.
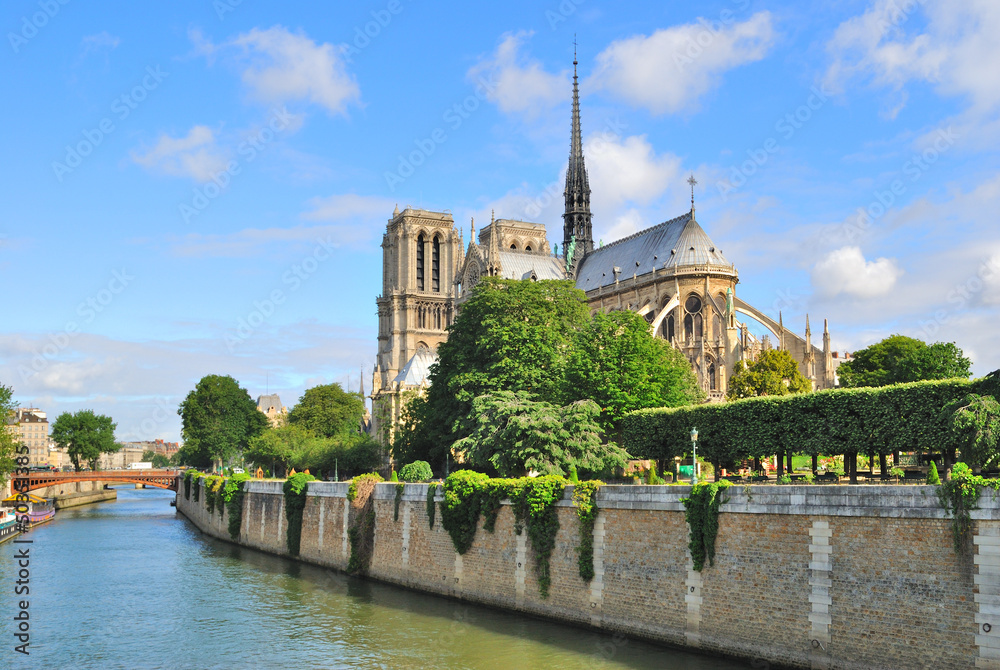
(617, 363)
(975, 421)
(899, 359)
(774, 372)
(85, 436)
(8, 443)
(294, 446)
(218, 419)
(515, 435)
(328, 410)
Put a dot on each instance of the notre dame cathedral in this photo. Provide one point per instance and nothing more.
(672, 273)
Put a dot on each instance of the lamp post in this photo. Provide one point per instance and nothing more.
(694, 456)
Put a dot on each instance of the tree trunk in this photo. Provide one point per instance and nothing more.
(851, 462)
(781, 465)
(756, 466)
(895, 459)
(815, 464)
(718, 470)
(881, 466)
(790, 467)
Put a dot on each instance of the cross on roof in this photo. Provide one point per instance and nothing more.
(691, 180)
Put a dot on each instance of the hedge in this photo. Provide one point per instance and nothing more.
(884, 420)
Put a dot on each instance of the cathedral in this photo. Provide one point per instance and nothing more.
(672, 274)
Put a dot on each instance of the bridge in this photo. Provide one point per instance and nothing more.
(161, 479)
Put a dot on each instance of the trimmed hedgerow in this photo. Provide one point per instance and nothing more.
(417, 471)
(295, 488)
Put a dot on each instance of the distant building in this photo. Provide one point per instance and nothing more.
(158, 447)
(32, 430)
(122, 458)
(271, 406)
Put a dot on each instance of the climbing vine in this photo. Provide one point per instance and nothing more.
(197, 487)
(295, 503)
(232, 494)
(399, 497)
(497, 490)
(463, 499)
(361, 533)
(535, 508)
(187, 484)
(585, 499)
(959, 496)
(702, 516)
(431, 507)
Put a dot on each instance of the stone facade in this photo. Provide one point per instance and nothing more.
(804, 576)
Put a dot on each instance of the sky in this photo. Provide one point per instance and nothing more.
(200, 187)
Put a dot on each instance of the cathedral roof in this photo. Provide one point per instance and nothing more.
(671, 244)
(521, 265)
(418, 368)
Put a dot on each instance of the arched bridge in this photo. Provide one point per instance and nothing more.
(161, 479)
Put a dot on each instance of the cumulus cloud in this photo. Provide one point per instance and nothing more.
(195, 155)
(955, 51)
(629, 169)
(673, 68)
(517, 83)
(845, 271)
(281, 66)
(349, 206)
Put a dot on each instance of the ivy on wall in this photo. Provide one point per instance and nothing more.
(431, 507)
(361, 533)
(959, 496)
(585, 499)
(295, 503)
(232, 494)
(399, 497)
(701, 511)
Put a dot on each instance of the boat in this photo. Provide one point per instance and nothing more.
(8, 522)
(38, 510)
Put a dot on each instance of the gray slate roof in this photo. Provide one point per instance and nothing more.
(673, 243)
(266, 402)
(418, 368)
(519, 265)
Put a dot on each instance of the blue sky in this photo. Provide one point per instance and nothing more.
(201, 187)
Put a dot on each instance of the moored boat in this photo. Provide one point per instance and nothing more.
(37, 510)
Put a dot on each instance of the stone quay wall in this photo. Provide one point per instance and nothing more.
(804, 576)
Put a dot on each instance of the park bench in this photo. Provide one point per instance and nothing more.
(828, 477)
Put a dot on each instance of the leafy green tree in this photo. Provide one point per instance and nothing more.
(148, 455)
(8, 444)
(899, 359)
(160, 461)
(417, 471)
(329, 411)
(514, 434)
(511, 335)
(617, 363)
(774, 372)
(975, 420)
(218, 419)
(85, 436)
(294, 446)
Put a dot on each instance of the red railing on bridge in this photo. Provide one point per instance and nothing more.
(161, 479)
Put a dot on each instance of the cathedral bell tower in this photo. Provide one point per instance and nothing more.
(578, 236)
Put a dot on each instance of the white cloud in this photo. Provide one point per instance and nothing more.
(846, 271)
(99, 42)
(282, 66)
(671, 69)
(517, 83)
(194, 155)
(628, 169)
(956, 50)
(349, 206)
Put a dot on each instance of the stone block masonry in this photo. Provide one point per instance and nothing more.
(804, 576)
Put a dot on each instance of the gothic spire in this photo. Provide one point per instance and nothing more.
(493, 263)
(577, 216)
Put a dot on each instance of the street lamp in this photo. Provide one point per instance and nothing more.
(694, 456)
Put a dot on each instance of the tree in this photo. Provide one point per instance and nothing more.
(329, 411)
(8, 444)
(85, 436)
(975, 420)
(514, 434)
(160, 461)
(511, 335)
(147, 455)
(899, 359)
(294, 446)
(218, 419)
(774, 372)
(618, 363)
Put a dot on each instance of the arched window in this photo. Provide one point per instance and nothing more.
(716, 326)
(670, 328)
(692, 304)
(712, 384)
(436, 265)
(420, 262)
(697, 326)
(527, 248)
(688, 327)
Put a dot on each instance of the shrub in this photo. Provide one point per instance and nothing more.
(352, 490)
(417, 471)
(295, 488)
(394, 477)
(573, 477)
(932, 475)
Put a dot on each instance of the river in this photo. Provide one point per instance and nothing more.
(131, 584)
